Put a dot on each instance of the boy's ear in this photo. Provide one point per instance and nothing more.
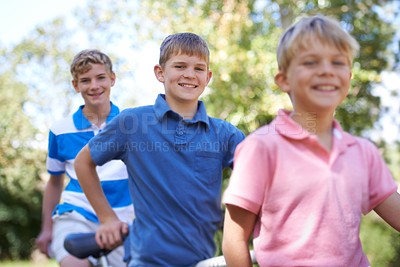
(75, 85)
(158, 71)
(113, 78)
(282, 82)
(209, 76)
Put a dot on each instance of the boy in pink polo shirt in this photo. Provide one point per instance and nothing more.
(301, 184)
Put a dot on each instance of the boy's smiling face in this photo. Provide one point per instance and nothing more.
(317, 79)
(95, 85)
(184, 77)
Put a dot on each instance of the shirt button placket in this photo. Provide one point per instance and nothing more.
(180, 134)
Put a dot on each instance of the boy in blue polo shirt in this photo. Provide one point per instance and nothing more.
(175, 154)
(93, 78)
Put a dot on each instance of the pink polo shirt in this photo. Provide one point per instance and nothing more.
(309, 201)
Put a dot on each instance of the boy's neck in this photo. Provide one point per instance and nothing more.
(97, 115)
(317, 124)
(186, 113)
(185, 109)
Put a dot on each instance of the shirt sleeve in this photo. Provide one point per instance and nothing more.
(54, 163)
(381, 182)
(110, 144)
(251, 175)
(235, 138)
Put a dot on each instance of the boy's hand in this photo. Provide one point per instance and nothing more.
(111, 234)
(43, 241)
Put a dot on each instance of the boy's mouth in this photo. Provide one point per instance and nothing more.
(187, 85)
(325, 88)
(97, 94)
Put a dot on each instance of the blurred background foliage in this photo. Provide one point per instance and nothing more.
(242, 35)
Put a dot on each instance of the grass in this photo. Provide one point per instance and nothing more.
(37, 260)
(42, 263)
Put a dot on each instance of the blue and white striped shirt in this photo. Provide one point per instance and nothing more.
(66, 138)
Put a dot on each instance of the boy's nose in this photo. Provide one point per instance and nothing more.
(326, 68)
(189, 73)
(94, 84)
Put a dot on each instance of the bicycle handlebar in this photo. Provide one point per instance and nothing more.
(83, 245)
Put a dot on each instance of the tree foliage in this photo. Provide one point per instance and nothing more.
(20, 170)
(243, 36)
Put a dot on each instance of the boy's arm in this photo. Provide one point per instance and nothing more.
(389, 210)
(238, 227)
(111, 231)
(51, 198)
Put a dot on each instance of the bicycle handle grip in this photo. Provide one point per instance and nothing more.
(83, 245)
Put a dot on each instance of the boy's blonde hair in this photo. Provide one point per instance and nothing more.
(308, 30)
(83, 60)
(183, 43)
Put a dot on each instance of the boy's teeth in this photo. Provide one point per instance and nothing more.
(188, 85)
(326, 88)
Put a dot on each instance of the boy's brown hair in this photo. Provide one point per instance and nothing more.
(81, 62)
(183, 43)
(311, 29)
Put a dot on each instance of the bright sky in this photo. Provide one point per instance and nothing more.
(19, 17)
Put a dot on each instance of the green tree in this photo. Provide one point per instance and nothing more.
(20, 171)
(243, 36)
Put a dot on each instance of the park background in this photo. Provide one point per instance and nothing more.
(36, 89)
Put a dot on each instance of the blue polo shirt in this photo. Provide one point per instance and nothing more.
(66, 138)
(175, 176)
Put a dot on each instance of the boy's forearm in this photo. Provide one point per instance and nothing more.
(235, 246)
(389, 210)
(238, 226)
(237, 255)
(51, 198)
(86, 172)
(98, 200)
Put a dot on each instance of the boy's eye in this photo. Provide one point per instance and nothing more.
(179, 66)
(339, 62)
(200, 69)
(310, 62)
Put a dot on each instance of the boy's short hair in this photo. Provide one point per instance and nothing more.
(81, 62)
(308, 30)
(183, 43)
